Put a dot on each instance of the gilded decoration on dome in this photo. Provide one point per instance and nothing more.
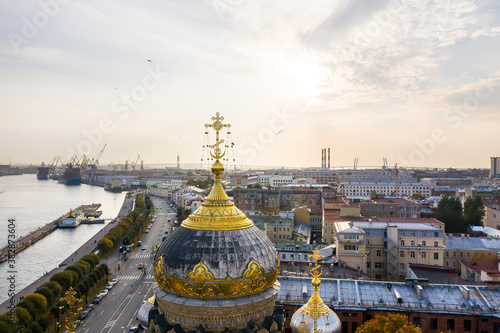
(200, 282)
(217, 212)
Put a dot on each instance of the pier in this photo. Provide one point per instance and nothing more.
(34, 236)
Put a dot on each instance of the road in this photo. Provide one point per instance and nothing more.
(118, 310)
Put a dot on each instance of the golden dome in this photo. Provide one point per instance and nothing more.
(217, 252)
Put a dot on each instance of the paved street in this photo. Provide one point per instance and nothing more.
(118, 310)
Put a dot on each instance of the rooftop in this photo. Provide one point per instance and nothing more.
(486, 230)
(489, 266)
(472, 243)
(399, 225)
(358, 294)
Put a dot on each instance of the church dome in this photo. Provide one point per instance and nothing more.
(315, 315)
(217, 252)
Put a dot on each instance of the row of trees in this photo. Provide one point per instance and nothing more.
(127, 227)
(457, 218)
(36, 311)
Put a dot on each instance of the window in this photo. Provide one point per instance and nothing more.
(467, 325)
(433, 324)
(402, 242)
(401, 254)
(450, 324)
(412, 254)
(417, 321)
(345, 327)
(378, 265)
(368, 264)
(424, 255)
(350, 247)
(447, 254)
(436, 244)
(423, 243)
(401, 267)
(412, 243)
(468, 254)
(436, 256)
(283, 256)
(454, 254)
(436, 234)
(379, 253)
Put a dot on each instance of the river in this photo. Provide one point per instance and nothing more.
(33, 203)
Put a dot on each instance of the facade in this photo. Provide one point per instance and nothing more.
(261, 200)
(390, 207)
(243, 180)
(311, 198)
(321, 176)
(161, 190)
(365, 189)
(491, 218)
(469, 248)
(275, 227)
(277, 181)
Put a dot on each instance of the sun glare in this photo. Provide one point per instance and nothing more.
(306, 75)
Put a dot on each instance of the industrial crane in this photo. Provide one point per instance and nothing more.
(94, 163)
(135, 163)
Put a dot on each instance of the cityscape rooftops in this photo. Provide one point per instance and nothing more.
(489, 266)
(485, 230)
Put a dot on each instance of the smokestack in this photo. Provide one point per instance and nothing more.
(328, 158)
(322, 157)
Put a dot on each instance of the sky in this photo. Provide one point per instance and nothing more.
(416, 81)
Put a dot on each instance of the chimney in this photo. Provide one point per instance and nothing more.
(328, 158)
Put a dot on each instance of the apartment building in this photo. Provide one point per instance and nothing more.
(492, 217)
(276, 228)
(390, 207)
(464, 247)
(261, 200)
(243, 180)
(321, 176)
(298, 197)
(388, 247)
(365, 189)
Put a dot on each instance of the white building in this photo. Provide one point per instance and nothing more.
(385, 188)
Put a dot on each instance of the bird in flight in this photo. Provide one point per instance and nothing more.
(279, 132)
(149, 60)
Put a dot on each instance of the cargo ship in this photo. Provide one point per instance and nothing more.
(43, 172)
(114, 186)
(71, 176)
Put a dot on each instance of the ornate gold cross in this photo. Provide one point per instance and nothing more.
(316, 256)
(217, 125)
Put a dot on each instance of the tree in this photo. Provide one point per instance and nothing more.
(417, 196)
(449, 211)
(392, 323)
(65, 279)
(47, 293)
(474, 211)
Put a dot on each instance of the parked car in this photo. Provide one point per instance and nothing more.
(143, 247)
(76, 323)
(147, 231)
(97, 299)
(83, 315)
(133, 329)
(141, 266)
(114, 281)
(109, 286)
(139, 243)
(89, 307)
(103, 293)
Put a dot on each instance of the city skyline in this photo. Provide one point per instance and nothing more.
(414, 82)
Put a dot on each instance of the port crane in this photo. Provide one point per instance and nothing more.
(94, 163)
(135, 163)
